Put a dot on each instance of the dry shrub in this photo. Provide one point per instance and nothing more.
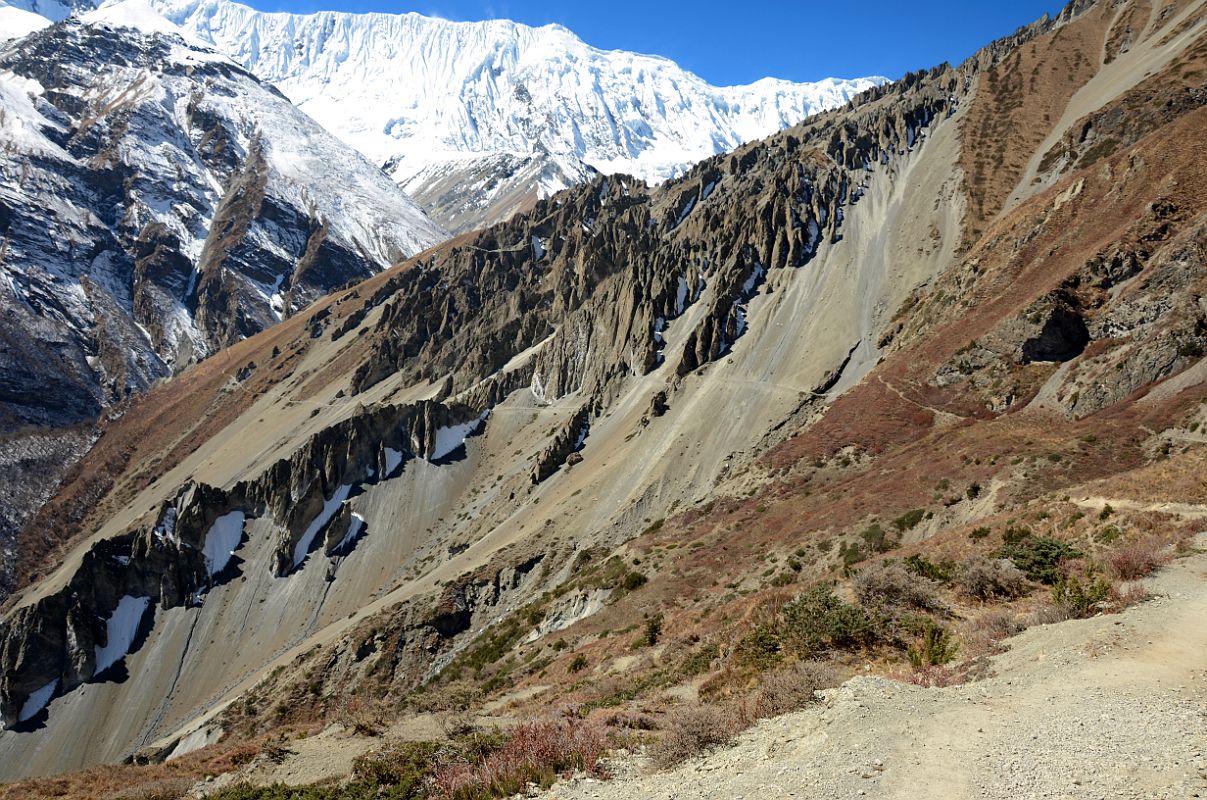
(630, 720)
(536, 753)
(936, 676)
(166, 789)
(996, 625)
(1049, 615)
(1131, 562)
(694, 730)
(1133, 595)
(891, 584)
(792, 689)
(991, 579)
(726, 683)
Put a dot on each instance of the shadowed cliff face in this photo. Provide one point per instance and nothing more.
(415, 462)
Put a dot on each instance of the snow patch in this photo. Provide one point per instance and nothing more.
(302, 548)
(120, 631)
(450, 437)
(222, 541)
(538, 389)
(37, 701)
(354, 530)
(139, 15)
(166, 529)
(16, 23)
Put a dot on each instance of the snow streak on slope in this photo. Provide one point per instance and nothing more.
(417, 92)
(121, 631)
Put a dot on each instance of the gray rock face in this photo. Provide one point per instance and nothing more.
(171, 560)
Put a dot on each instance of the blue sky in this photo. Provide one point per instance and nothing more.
(739, 41)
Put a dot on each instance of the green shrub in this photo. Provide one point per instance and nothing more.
(909, 520)
(934, 647)
(634, 581)
(1081, 600)
(761, 648)
(1014, 535)
(818, 620)
(876, 539)
(1040, 558)
(699, 661)
(851, 554)
(578, 663)
(403, 765)
(979, 533)
(943, 572)
(653, 630)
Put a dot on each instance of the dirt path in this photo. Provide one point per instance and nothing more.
(942, 418)
(1190, 510)
(1112, 707)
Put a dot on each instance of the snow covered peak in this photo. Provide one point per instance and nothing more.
(419, 93)
(189, 206)
(138, 15)
(51, 10)
(16, 23)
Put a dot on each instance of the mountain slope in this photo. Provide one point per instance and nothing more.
(517, 111)
(156, 203)
(490, 468)
(189, 200)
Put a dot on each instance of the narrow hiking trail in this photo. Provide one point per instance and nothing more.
(1188, 510)
(1110, 707)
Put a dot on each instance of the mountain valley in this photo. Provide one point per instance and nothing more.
(642, 459)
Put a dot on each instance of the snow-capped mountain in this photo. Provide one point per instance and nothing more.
(467, 116)
(157, 201)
